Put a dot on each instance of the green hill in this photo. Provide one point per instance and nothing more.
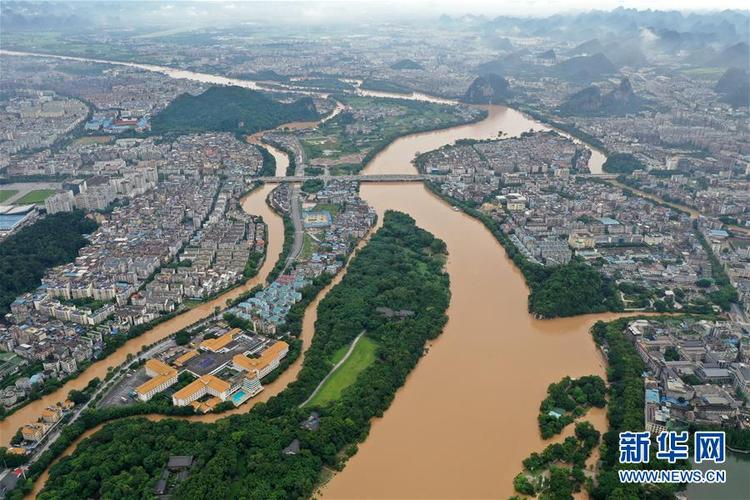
(229, 109)
(406, 64)
(488, 89)
(592, 102)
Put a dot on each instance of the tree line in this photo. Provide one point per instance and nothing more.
(26, 255)
(241, 456)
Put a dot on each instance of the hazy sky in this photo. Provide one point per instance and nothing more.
(513, 7)
(313, 12)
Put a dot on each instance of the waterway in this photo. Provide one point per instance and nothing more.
(516, 119)
(466, 417)
(738, 480)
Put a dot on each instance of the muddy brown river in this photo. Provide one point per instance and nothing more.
(466, 417)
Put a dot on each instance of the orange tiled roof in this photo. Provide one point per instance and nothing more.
(212, 382)
(185, 358)
(265, 359)
(159, 367)
(220, 342)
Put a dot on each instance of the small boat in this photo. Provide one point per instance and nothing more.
(455, 208)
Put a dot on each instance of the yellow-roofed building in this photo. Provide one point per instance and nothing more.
(185, 358)
(34, 432)
(51, 414)
(206, 406)
(207, 384)
(163, 377)
(265, 363)
(219, 343)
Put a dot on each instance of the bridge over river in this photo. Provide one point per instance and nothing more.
(379, 177)
(360, 178)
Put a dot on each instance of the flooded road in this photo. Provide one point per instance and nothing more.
(254, 203)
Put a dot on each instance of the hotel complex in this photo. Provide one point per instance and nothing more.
(163, 377)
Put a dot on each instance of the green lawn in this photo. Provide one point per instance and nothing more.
(309, 247)
(362, 357)
(6, 194)
(332, 208)
(36, 196)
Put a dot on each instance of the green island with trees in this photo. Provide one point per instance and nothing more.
(569, 399)
(401, 268)
(229, 109)
(622, 163)
(26, 255)
(558, 471)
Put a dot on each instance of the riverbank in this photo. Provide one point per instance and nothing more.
(489, 339)
(255, 203)
(548, 297)
(300, 324)
(396, 239)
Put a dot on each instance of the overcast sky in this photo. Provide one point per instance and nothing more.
(516, 7)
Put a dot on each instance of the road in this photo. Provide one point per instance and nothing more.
(360, 178)
(333, 370)
(299, 232)
(104, 386)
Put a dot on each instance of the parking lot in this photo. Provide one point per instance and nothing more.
(120, 393)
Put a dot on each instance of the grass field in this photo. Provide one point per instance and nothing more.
(6, 194)
(93, 139)
(332, 208)
(36, 196)
(309, 246)
(361, 357)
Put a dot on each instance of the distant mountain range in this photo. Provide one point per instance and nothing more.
(668, 30)
(488, 89)
(579, 69)
(625, 53)
(591, 102)
(547, 54)
(734, 87)
(734, 56)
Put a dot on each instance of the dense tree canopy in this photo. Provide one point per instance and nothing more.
(241, 456)
(229, 109)
(571, 398)
(622, 163)
(26, 255)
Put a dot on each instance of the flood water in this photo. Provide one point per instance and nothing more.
(466, 417)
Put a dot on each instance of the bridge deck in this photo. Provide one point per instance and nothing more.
(384, 177)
